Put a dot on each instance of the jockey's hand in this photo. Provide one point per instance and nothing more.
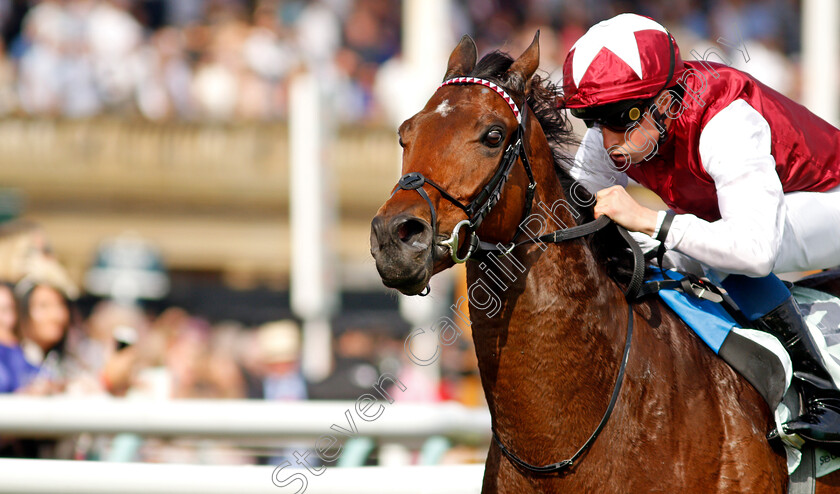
(617, 204)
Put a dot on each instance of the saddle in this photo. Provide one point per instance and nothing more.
(759, 356)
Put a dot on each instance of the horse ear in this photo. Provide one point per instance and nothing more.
(462, 59)
(521, 71)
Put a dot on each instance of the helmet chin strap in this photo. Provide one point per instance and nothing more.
(654, 111)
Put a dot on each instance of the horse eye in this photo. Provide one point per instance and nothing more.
(402, 144)
(493, 138)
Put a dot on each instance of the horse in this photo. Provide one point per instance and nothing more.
(550, 345)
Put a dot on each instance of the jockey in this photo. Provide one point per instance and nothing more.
(752, 179)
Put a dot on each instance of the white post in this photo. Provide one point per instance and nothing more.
(820, 53)
(427, 41)
(313, 290)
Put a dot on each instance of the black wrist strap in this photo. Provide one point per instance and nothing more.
(666, 225)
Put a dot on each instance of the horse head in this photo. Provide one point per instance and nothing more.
(461, 174)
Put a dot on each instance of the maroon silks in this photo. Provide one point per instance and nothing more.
(806, 148)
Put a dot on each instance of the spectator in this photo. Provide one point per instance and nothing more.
(8, 315)
(355, 369)
(113, 38)
(45, 322)
(109, 350)
(44, 364)
(215, 88)
(278, 350)
(8, 76)
(15, 371)
(221, 372)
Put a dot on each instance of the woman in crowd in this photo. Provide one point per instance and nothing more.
(38, 365)
(45, 321)
(15, 371)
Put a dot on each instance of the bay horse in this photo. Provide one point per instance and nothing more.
(549, 352)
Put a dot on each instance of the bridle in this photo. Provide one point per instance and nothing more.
(489, 195)
(477, 210)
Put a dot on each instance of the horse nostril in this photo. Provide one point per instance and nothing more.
(410, 231)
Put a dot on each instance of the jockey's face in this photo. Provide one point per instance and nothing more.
(637, 143)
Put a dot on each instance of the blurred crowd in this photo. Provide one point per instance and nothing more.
(50, 344)
(228, 60)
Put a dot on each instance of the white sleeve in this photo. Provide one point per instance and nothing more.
(595, 170)
(735, 151)
(592, 165)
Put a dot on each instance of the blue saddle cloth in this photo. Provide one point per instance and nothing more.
(709, 320)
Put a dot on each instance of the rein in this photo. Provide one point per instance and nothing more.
(562, 465)
(476, 211)
(631, 294)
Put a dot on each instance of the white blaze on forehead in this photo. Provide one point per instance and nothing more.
(443, 109)
(618, 35)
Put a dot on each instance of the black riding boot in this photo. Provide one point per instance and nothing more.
(820, 418)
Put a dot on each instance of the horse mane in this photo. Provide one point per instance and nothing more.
(546, 102)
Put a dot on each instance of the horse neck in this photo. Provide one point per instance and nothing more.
(548, 338)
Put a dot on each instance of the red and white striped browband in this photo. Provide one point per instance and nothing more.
(491, 85)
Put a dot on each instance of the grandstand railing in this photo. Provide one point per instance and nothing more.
(81, 477)
(60, 416)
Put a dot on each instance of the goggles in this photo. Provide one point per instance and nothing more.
(618, 116)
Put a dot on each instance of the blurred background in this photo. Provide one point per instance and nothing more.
(187, 189)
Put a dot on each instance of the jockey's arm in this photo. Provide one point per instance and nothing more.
(735, 151)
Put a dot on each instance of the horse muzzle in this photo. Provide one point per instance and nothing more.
(403, 247)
